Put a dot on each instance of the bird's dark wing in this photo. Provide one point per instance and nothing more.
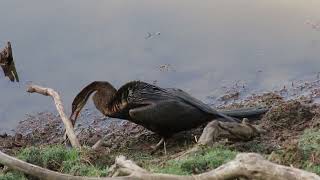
(137, 94)
(187, 98)
(190, 100)
(167, 116)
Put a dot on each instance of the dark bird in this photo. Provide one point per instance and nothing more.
(164, 111)
(7, 63)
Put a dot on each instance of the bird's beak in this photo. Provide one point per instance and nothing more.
(74, 116)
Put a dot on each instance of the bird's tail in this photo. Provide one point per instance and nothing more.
(228, 118)
(245, 112)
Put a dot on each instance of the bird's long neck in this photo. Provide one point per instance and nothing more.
(104, 93)
(103, 97)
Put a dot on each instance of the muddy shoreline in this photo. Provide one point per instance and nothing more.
(293, 109)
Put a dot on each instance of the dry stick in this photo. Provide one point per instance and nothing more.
(43, 173)
(254, 166)
(100, 142)
(248, 165)
(57, 100)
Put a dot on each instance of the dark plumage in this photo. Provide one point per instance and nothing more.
(163, 111)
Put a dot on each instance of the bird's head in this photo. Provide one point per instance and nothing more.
(81, 99)
(104, 93)
(77, 105)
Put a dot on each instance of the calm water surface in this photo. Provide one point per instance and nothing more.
(207, 44)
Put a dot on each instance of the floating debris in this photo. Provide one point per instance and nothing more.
(152, 34)
(7, 63)
(314, 24)
(166, 68)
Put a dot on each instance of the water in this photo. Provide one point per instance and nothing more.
(202, 46)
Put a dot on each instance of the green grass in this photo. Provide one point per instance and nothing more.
(89, 163)
(309, 143)
(207, 159)
(305, 154)
(75, 162)
(12, 176)
(58, 158)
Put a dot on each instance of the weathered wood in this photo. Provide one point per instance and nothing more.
(57, 100)
(43, 173)
(7, 63)
(237, 131)
(233, 131)
(246, 165)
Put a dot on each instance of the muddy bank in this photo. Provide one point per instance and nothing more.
(290, 114)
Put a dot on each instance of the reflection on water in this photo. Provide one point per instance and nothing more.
(208, 45)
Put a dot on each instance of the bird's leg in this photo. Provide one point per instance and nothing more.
(157, 146)
(165, 147)
(159, 143)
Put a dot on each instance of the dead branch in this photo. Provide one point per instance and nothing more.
(57, 100)
(43, 173)
(235, 131)
(254, 166)
(101, 141)
(238, 131)
(247, 165)
(7, 63)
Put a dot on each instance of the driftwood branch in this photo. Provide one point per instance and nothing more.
(247, 165)
(217, 129)
(7, 63)
(57, 100)
(237, 131)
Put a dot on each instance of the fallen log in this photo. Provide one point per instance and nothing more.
(230, 130)
(245, 165)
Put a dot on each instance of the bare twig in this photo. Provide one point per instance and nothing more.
(57, 100)
(100, 142)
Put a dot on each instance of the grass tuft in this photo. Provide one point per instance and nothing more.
(58, 158)
(207, 159)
